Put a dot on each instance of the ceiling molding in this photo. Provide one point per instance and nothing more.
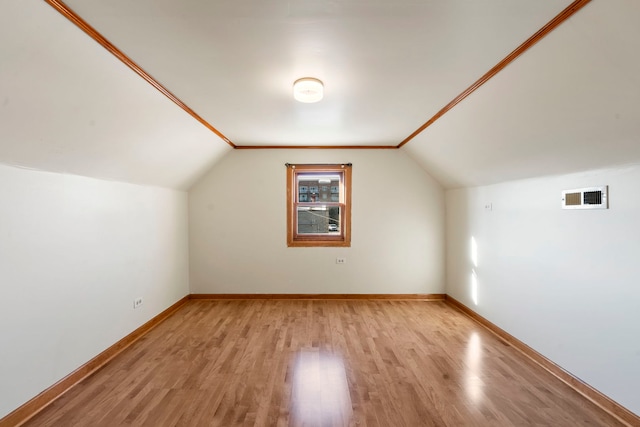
(62, 8)
(94, 34)
(316, 147)
(550, 26)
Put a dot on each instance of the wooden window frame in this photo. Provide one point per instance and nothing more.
(294, 239)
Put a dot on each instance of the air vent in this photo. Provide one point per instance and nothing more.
(585, 198)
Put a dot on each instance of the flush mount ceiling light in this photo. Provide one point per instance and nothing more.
(307, 89)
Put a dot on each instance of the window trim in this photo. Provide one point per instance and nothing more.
(316, 240)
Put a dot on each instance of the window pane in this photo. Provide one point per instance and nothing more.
(318, 219)
(318, 188)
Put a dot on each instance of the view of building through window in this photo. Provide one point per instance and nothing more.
(319, 205)
(318, 208)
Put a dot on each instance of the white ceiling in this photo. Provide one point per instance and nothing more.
(67, 105)
(387, 65)
(570, 103)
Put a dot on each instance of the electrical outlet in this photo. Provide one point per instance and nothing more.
(341, 260)
(488, 206)
(137, 302)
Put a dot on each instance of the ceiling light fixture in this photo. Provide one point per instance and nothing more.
(308, 90)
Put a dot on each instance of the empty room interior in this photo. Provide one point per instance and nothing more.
(441, 227)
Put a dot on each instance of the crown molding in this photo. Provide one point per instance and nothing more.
(550, 26)
(68, 13)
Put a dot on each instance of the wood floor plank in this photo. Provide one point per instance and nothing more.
(320, 363)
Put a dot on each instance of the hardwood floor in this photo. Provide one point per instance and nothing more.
(320, 363)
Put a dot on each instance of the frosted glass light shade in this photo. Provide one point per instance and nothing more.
(308, 89)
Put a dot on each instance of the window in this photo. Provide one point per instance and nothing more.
(313, 220)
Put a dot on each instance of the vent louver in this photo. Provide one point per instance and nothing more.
(585, 198)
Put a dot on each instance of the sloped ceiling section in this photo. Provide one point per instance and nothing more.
(570, 103)
(69, 106)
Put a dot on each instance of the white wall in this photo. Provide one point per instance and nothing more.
(566, 282)
(74, 253)
(237, 226)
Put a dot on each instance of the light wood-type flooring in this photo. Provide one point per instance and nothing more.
(321, 363)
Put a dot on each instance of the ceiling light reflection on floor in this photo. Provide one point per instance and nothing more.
(320, 394)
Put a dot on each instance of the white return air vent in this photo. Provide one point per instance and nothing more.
(586, 198)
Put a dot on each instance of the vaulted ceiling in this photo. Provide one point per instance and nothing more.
(570, 102)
